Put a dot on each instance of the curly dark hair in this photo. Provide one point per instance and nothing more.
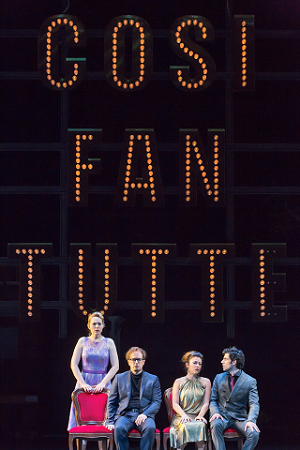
(188, 355)
(235, 355)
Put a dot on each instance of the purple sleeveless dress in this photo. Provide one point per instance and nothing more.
(95, 358)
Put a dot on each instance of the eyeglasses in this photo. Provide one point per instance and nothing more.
(135, 359)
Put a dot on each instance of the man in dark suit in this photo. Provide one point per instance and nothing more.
(134, 399)
(234, 401)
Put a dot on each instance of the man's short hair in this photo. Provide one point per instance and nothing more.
(235, 355)
(135, 349)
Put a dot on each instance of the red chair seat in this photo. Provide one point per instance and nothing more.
(231, 434)
(135, 434)
(90, 411)
(90, 429)
(230, 430)
(138, 433)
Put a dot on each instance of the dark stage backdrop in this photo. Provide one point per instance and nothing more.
(174, 297)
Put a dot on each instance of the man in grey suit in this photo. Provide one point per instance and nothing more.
(134, 399)
(234, 401)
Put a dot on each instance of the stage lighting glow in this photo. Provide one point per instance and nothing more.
(153, 257)
(244, 73)
(79, 165)
(29, 277)
(212, 257)
(265, 283)
(114, 60)
(49, 44)
(141, 151)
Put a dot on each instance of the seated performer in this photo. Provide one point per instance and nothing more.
(190, 400)
(134, 399)
(234, 401)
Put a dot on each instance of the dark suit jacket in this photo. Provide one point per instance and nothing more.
(120, 393)
(241, 404)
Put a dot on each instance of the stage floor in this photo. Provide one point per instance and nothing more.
(61, 443)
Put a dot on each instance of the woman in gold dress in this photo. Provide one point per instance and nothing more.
(190, 400)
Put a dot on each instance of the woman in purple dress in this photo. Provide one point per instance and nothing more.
(95, 352)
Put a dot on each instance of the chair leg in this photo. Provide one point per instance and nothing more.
(81, 444)
(201, 446)
(157, 438)
(70, 442)
(111, 442)
(210, 443)
(165, 441)
(102, 444)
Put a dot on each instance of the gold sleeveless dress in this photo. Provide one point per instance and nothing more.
(191, 395)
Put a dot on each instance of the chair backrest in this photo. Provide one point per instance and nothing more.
(168, 402)
(90, 408)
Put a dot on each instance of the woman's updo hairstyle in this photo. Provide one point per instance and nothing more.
(91, 316)
(188, 355)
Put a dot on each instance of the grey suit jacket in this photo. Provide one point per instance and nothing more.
(120, 393)
(241, 404)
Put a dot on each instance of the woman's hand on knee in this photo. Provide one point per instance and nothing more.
(185, 419)
(201, 419)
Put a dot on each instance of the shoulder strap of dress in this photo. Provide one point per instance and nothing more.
(201, 382)
(185, 380)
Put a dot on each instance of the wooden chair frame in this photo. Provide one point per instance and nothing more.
(166, 431)
(230, 434)
(102, 435)
(136, 435)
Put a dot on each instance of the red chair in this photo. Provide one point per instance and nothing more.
(168, 403)
(135, 434)
(230, 434)
(90, 411)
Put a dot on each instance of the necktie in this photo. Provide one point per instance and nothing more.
(231, 383)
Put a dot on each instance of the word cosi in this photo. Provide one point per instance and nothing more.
(60, 34)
